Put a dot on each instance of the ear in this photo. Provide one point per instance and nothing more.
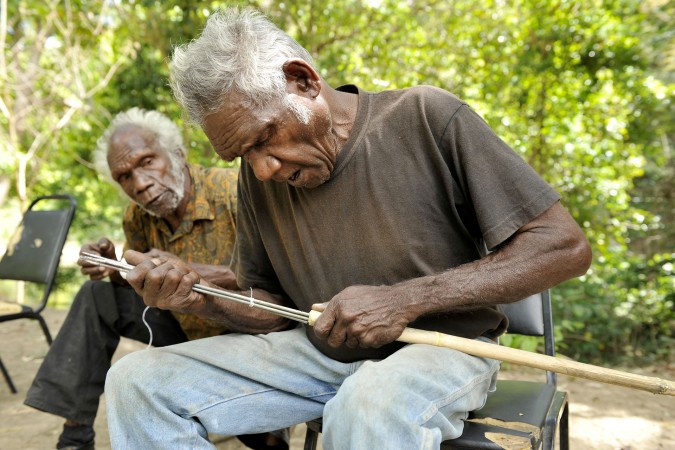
(301, 78)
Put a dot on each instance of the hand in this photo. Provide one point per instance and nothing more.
(164, 282)
(362, 316)
(164, 256)
(104, 248)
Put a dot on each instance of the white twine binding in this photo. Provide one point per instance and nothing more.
(147, 326)
(250, 303)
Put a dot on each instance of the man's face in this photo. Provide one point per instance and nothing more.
(144, 171)
(274, 141)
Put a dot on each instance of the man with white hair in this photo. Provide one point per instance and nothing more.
(383, 210)
(177, 210)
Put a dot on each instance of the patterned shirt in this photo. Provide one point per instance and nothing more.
(206, 234)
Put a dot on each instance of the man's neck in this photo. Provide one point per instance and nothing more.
(343, 108)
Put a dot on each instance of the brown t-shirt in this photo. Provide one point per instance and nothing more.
(205, 235)
(422, 185)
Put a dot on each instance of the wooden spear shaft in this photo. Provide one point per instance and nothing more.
(529, 359)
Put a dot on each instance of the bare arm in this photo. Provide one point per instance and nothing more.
(220, 275)
(547, 251)
(166, 283)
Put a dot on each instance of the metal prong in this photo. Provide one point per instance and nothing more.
(289, 313)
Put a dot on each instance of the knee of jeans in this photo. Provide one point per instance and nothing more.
(132, 373)
(371, 390)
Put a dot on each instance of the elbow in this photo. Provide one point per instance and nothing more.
(580, 255)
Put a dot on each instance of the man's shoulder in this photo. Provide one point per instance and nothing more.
(423, 97)
(215, 176)
(422, 91)
(416, 105)
(216, 184)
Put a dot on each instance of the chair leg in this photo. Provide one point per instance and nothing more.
(44, 327)
(311, 439)
(8, 379)
(564, 429)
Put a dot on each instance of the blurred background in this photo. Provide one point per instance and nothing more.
(583, 90)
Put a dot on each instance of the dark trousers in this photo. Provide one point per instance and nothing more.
(71, 378)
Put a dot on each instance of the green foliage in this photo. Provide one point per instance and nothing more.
(582, 90)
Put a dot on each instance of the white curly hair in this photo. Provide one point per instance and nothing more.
(168, 135)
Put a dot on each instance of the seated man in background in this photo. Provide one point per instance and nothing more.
(176, 210)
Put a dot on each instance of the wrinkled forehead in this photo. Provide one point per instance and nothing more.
(238, 124)
(128, 142)
(130, 136)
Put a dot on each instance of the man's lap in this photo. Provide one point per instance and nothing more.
(280, 376)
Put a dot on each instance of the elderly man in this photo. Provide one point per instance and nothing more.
(176, 209)
(392, 209)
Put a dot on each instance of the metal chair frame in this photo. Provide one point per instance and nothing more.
(33, 255)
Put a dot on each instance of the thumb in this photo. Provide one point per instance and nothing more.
(319, 306)
(134, 258)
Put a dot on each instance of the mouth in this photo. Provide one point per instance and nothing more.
(153, 202)
(149, 203)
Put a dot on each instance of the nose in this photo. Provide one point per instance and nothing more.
(141, 182)
(264, 166)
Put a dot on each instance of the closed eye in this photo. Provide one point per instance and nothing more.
(264, 139)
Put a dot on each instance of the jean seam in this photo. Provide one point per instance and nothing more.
(189, 415)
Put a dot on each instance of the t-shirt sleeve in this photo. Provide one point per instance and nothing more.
(504, 191)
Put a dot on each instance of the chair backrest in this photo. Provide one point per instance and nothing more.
(34, 251)
(533, 316)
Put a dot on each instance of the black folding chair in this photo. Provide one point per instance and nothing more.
(33, 255)
(520, 414)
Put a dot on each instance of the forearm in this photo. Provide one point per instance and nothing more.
(243, 318)
(219, 275)
(547, 252)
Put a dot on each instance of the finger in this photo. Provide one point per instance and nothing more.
(107, 248)
(136, 276)
(153, 253)
(156, 282)
(376, 338)
(134, 258)
(87, 248)
(186, 281)
(337, 337)
(103, 244)
(165, 278)
(174, 287)
(329, 328)
(352, 342)
(90, 269)
(321, 307)
(324, 324)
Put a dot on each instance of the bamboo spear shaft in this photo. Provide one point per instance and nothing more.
(530, 359)
(470, 346)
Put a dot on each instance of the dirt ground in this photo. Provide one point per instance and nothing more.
(602, 416)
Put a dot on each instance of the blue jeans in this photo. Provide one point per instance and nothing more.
(172, 397)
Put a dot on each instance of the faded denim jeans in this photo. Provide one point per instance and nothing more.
(171, 397)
